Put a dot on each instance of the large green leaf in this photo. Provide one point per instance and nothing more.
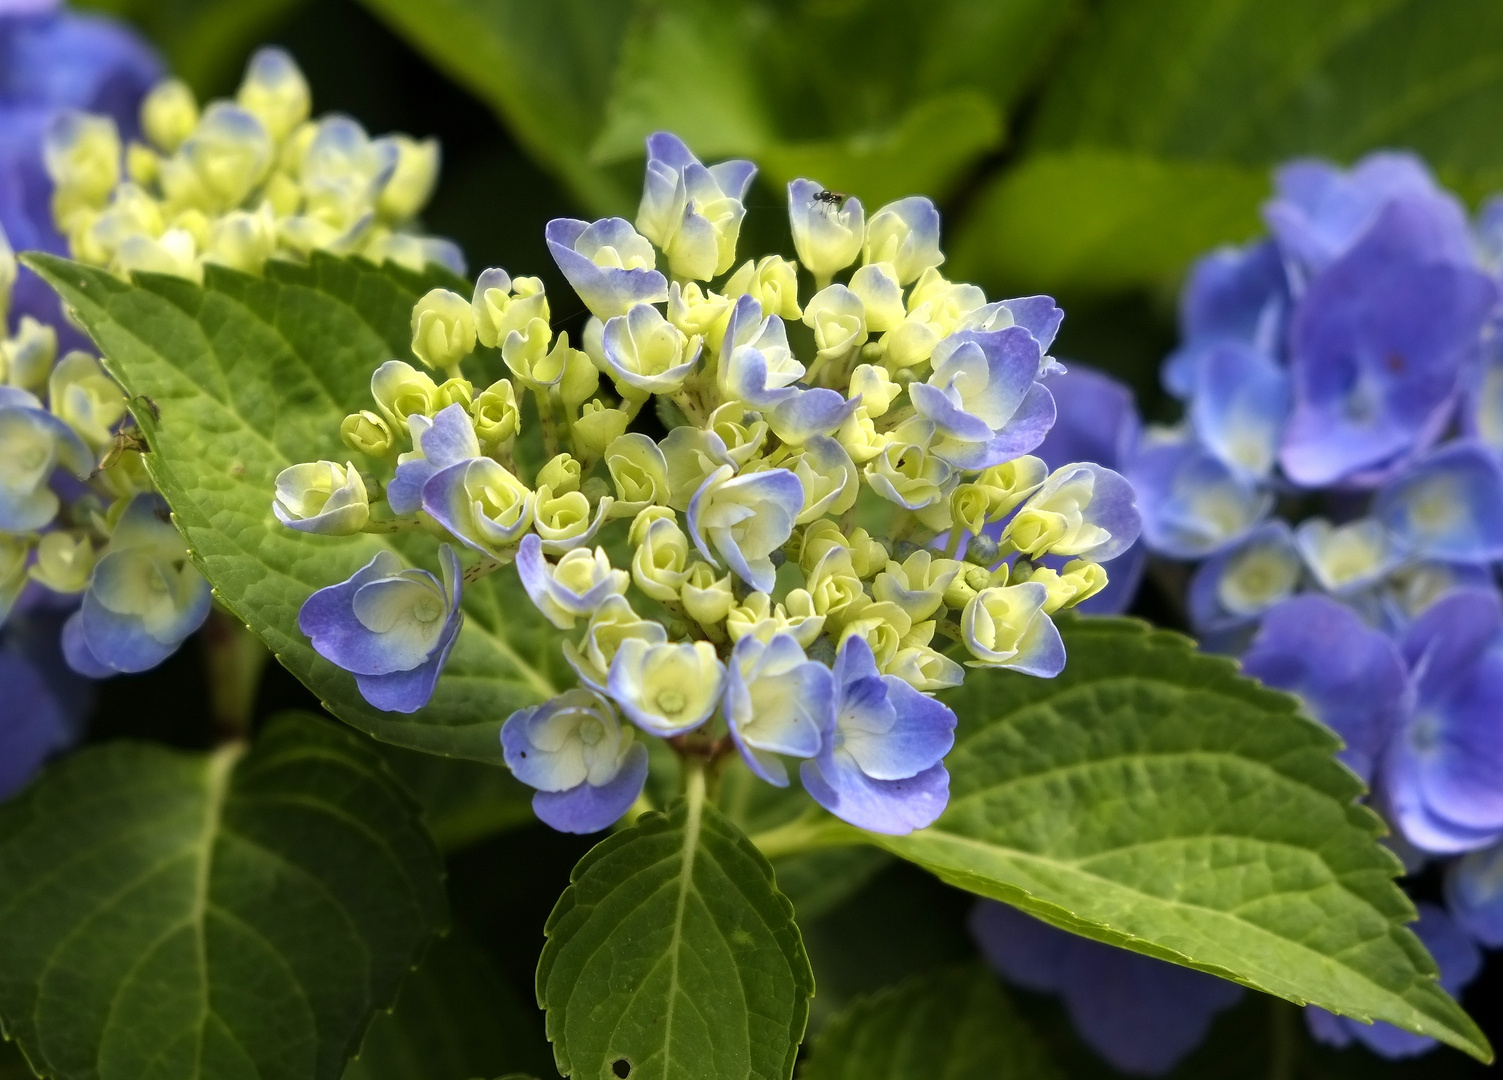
(463, 801)
(673, 952)
(240, 913)
(455, 1018)
(246, 376)
(1153, 798)
(880, 98)
(952, 1024)
(1181, 91)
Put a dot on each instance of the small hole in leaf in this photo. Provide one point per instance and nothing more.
(621, 1067)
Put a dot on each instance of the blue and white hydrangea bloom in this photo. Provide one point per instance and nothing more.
(118, 167)
(1336, 487)
(816, 545)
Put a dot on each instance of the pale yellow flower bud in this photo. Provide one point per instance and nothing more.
(443, 329)
(707, 598)
(168, 114)
(366, 432)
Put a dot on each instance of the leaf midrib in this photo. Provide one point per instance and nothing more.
(1013, 853)
(690, 849)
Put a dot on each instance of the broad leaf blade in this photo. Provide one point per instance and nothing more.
(455, 1018)
(673, 950)
(247, 376)
(1153, 798)
(211, 915)
(1179, 91)
(952, 1024)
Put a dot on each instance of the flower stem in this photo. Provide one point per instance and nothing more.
(812, 832)
(235, 659)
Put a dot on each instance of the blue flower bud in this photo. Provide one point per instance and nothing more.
(33, 443)
(905, 235)
(879, 764)
(826, 233)
(390, 626)
(144, 597)
(587, 768)
(322, 497)
(777, 701)
(608, 263)
(691, 212)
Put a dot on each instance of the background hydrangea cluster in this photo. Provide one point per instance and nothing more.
(769, 606)
(82, 554)
(1330, 509)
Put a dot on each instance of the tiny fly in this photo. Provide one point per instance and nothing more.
(830, 198)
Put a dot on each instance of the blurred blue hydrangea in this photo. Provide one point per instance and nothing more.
(1336, 487)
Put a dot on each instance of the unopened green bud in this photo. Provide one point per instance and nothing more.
(29, 355)
(65, 559)
(82, 155)
(86, 399)
(561, 474)
(8, 271)
(443, 329)
(496, 415)
(142, 164)
(230, 154)
(598, 427)
(168, 114)
(772, 281)
(454, 391)
(412, 182)
(242, 240)
(275, 92)
(366, 432)
(401, 391)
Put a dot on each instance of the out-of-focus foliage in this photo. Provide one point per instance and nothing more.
(1138, 132)
(880, 99)
(203, 41)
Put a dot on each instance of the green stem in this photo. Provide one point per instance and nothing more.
(1284, 1040)
(235, 659)
(812, 832)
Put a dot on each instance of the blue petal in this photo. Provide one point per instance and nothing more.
(606, 291)
(1320, 212)
(1349, 675)
(1142, 1015)
(892, 807)
(586, 809)
(1240, 405)
(1191, 504)
(409, 691)
(1378, 346)
(32, 723)
(76, 651)
(1217, 603)
(1448, 506)
(1474, 894)
(1095, 419)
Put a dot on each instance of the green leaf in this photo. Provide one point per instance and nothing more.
(673, 951)
(463, 801)
(952, 1024)
(544, 68)
(240, 913)
(455, 1018)
(1178, 92)
(1103, 220)
(1151, 797)
(881, 98)
(246, 376)
(202, 39)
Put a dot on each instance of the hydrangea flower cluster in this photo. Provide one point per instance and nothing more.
(238, 182)
(779, 556)
(1336, 487)
(86, 566)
